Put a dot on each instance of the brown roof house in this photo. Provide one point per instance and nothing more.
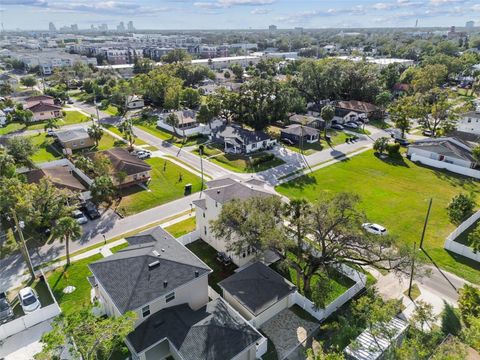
(43, 107)
(343, 108)
(133, 170)
(61, 177)
(75, 139)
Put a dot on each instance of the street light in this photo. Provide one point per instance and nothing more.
(19, 225)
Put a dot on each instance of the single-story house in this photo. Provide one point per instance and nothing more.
(135, 170)
(300, 134)
(442, 150)
(61, 177)
(74, 139)
(237, 140)
(368, 346)
(258, 293)
(308, 120)
(33, 100)
(186, 119)
(135, 102)
(44, 111)
(343, 108)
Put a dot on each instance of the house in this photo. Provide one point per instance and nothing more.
(187, 124)
(441, 152)
(6, 78)
(368, 346)
(344, 108)
(166, 285)
(135, 102)
(33, 100)
(300, 134)
(3, 118)
(258, 293)
(74, 139)
(469, 122)
(62, 177)
(237, 140)
(134, 170)
(44, 111)
(308, 120)
(220, 192)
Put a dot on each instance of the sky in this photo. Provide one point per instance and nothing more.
(238, 14)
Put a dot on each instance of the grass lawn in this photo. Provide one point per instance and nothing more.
(111, 110)
(11, 127)
(165, 186)
(208, 255)
(241, 163)
(76, 274)
(395, 193)
(71, 117)
(119, 247)
(415, 292)
(115, 130)
(209, 150)
(177, 140)
(183, 227)
(336, 138)
(46, 150)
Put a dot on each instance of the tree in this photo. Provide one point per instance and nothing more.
(474, 239)
(327, 114)
(50, 124)
(102, 189)
(382, 100)
(460, 208)
(101, 164)
(96, 133)
(126, 128)
(450, 321)
(471, 334)
(226, 74)
(175, 56)
(21, 149)
(428, 77)
(28, 81)
(380, 145)
(322, 235)
(172, 120)
(401, 111)
(190, 98)
(7, 165)
(22, 116)
(67, 228)
(6, 89)
(237, 71)
(469, 303)
(206, 114)
(93, 338)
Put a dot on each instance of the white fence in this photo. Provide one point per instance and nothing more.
(189, 238)
(447, 166)
(200, 129)
(22, 323)
(321, 314)
(456, 247)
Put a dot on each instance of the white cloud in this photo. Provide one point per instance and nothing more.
(260, 11)
(382, 6)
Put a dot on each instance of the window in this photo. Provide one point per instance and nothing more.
(145, 311)
(216, 204)
(469, 120)
(169, 297)
(204, 214)
(82, 142)
(254, 146)
(205, 229)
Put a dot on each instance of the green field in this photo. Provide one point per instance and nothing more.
(183, 227)
(242, 164)
(115, 130)
(337, 138)
(395, 193)
(46, 151)
(175, 139)
(111, 110)
(166, 185)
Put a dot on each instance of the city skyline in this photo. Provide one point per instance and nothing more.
(238, 14)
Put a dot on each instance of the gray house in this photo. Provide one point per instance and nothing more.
(166, 285)
(237, 140)
(300, 134)
(308, 120)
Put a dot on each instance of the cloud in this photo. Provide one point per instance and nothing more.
(260, 11)
(25, 2)
(106, 7)
(222, 4)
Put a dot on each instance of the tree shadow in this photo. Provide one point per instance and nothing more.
(438, 268)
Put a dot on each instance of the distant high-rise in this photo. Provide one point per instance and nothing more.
(121, 27)
(74, 27)
(272, 27)
(103, 27)
(130, 26)
(51, 27)
(470, 24)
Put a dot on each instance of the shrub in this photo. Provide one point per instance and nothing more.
(380, 145)
(263, 159)
(393, 149)
(460, 208)
(450, 320)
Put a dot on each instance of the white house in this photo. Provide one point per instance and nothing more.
(470, 122)
(237, 140)
(3, 118)
(166, 286)
(135, 102)
(220, 192)
(187, 124)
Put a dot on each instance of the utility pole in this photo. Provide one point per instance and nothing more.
(412, 271)
(23, 245)
(200, 150)
(425, 223)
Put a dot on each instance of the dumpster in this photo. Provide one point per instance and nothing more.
(188, 189)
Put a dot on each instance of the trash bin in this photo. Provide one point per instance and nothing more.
(328, 138)
(188, 189)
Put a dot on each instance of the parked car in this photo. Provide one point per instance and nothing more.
(287, 141)
(69, 101)
(402, 142)
(6, 312)
(91, 210)
(80, 217)
(51, 132)
(29, 300)
(337, 127)
(427, 132)
(144, 155)
(374, 229)
(351, 125)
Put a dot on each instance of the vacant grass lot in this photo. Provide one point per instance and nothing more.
(115, 130)
(395, 193)
(242, 163)
(175, 139)
(182, 228)
(167, 184)
(336, 137)
(76, 274)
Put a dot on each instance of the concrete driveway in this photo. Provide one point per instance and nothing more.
(287, 331)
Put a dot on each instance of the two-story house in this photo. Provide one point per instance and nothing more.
(166, 286)
(469, 122)
(220, 192)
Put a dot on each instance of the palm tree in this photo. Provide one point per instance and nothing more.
(126, 128)
(172, 120)
(95, 132)
(327, 114)
(67, 228)
(51, 124)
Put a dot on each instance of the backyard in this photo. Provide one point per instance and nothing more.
(167, 184)
(47, 151)
(182, 227)
(208, 255)
(395, 193)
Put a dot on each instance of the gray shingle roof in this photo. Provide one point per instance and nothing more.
(257, 287)
(242, 136)
(129, 280)
(214, 332)
(237, 191)
(220, 182)
(300, 130)
(472, 114)
(72, 134)
(451, 147)
(123, 161)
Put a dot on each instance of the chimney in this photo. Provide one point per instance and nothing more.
(165, 283)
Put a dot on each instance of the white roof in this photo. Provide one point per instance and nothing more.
(227, 58)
